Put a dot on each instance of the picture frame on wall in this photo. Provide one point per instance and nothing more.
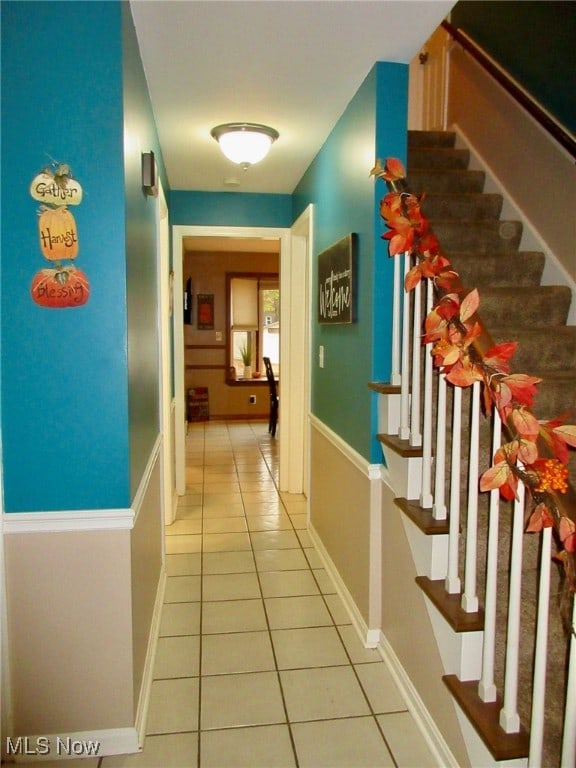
(336, 290)
(205, 314)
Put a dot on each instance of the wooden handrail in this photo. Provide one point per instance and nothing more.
(545, 119)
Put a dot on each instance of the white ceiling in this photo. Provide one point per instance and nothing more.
(290, 64)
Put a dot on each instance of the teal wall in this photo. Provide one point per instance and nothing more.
(230, 209)
(345, 200)
(534, 40)
(79, 402)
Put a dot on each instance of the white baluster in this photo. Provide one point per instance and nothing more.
(426, 498)
(569, 738)
(439, 508)
(453, 583)
(487, 687)
(415, 434)
(469, 597)
(395, 377)
(404, 431)
(541, 652)
(509, 718)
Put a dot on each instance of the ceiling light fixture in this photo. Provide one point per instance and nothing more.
(244, 143)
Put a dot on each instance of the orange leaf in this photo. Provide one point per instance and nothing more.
(413, 277)
(567, 432)
(540, 518)
(470, 304)
(522, 387)
(527, 451)
(526, 424)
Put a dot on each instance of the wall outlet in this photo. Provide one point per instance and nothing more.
(321, 356)
(252, 400)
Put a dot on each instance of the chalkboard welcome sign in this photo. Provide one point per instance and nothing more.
(335, 282)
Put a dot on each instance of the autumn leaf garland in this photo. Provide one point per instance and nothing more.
(452, 328)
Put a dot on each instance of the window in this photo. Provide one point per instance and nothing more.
(253, 313)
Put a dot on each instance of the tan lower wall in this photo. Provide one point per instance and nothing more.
(536, 172)
(406, 626)
(146, 552)
(228, 401)
(340, 514)
(69, 631)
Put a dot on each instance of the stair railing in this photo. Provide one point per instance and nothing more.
(417, 409)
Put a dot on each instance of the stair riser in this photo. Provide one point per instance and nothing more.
(543, 307)
(481, 237)
(431, 139)
(499, 270)
(480, 207)
(438, 158)
(451, 181)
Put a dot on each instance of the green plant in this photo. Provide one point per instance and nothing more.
(246, 353)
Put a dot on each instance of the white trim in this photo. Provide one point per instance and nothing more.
(110, 741)
(148, 676)
(65, 522)
(416, 707)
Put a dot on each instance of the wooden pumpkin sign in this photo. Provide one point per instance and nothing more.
(59, 288)
(58, 234)
(56, 188)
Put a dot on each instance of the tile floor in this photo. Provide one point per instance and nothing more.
(258, 664)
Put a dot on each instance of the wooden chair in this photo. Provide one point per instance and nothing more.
(274, 399)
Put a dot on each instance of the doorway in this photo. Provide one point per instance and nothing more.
(293, 353)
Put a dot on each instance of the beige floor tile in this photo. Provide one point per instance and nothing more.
(260, 496)
(173, 750)
(278, 522)
(287, 583)
(173, 706)
(280, 560)
(180, 619)
(192, 497)
(183, 565)
(380, 688)
(224, 525)
(235, 509)
(221, 500)
(228, 562)
(241, 652)
(294, 612)
(337, 609)
(350, 743)
(355, 647)
(233, 616)
(308, 647)
(274, 540)
(177, 545)
(408, 746)
(235, 586)
(182, 589)
(300, 522)
(192, 512)
(322, 694)
(274, 507)
(230, 701)
(265, 746)
(187, 526)
(226, 542)
(314, 559)
(325, 583)
(177, 657)
(304, 538)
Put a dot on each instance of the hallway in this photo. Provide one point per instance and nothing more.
(258, 664)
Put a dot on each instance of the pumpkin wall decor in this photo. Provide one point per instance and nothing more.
(59, 288)
(63, 285)
(58, 234)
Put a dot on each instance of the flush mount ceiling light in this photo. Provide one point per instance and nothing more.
(244, 143)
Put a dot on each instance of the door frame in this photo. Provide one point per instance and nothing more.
(291, 348)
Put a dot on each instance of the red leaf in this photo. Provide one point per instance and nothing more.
(522, 387)
(499, 356)
(567, 533)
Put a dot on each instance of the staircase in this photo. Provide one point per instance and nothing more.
(487, 253)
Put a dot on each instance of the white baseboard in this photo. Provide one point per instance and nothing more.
(147, 677)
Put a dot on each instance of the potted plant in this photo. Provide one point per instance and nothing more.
(246, 355)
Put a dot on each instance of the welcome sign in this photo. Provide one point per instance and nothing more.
(335, 282)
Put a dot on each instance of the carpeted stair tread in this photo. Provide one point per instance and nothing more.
(468, 206)
(540, 351)
(424, 158)
(542, 307)
(483, 237)
(431, 138)
(446, 181)
(510, 268)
